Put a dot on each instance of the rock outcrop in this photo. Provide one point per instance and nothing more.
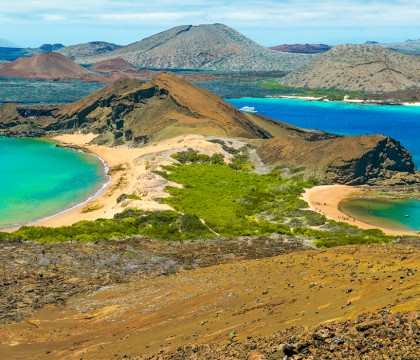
(166, 106)
(368, 68)
(205, 47)
(352, 160)
(48, 66)
(130, 111)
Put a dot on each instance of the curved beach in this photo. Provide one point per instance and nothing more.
(134, 175)
(326, 200)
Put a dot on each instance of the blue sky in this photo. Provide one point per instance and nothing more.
(268, 22)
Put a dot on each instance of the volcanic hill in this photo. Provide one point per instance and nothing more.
(351, 302)
(88, 49)
(113, 65)
(204, 47)
(369, 68)
(410, 47)
(352, 160)
(48, 66)
(166, 106)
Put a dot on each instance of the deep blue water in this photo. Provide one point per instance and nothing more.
(400, 122)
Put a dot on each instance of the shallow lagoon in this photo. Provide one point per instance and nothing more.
(38, 179)
(392, 214)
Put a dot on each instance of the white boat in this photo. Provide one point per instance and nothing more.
(249, 109)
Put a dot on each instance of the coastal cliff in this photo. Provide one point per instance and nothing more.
(352, 160)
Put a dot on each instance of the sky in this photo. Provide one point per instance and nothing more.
(30, 23)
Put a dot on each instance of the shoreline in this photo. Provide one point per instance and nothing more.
(91, 198)
(326, 199)
(344, 101)
(131, 171)
(106, 198)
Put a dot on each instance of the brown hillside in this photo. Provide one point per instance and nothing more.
(368, 68)
(346, 160)
(240, 310)
(166, 106)
(47, 66)
(113, 65)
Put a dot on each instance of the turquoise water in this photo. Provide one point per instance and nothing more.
(400, 122)
(39, 180)
(393, 214)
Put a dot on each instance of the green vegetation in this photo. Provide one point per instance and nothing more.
(216, 200)
(117, 168)
(123, 197)
(91, 208)
(330, 94)
(191, 156)
(164, 225)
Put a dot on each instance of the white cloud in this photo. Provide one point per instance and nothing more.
(144, 16)
(315, 13)
(248, 16)
(53, 17)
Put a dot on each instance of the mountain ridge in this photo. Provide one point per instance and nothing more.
(205, 47)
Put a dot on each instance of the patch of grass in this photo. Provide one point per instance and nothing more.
(162, 225)
(227, 199)
(330, 94)
(235, 203)
(123, 197)
(90, 208)
(117, 168)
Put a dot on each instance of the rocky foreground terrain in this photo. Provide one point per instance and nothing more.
(36, 275)
(141, 299)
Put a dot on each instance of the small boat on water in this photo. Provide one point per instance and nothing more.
(249, 109)
(406, 215)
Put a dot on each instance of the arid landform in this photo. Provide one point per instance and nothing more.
(201, 247)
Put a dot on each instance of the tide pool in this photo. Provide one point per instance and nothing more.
(39, 180)
(399, 122)
(392, 214)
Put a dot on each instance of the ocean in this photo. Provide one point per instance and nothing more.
(39, 180)
(400, 122)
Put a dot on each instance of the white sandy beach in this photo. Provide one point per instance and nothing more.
(137, 176)
(326, 199)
